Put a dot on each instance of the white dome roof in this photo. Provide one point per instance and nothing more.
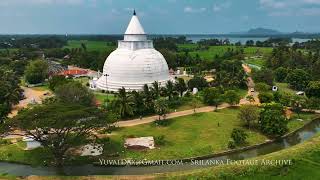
(133, 69)
(134, 63)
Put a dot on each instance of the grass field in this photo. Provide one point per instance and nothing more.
(305, 165)
(284, 87)
(193, 135)
(220, 50)
(257, 62)
(91, 45)
(188, 136)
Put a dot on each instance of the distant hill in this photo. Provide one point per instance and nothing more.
(263, 31)
(260, 31)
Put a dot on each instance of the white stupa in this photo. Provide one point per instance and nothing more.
(134, 63)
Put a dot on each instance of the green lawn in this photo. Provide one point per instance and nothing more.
(91, 45)
(16, 153)
(256, 62)
(187, 136)
(305, 165)
(220, 50)
(284, 87)
(103, 96)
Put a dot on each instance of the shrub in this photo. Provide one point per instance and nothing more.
(262, 87)
(160, 140)
(272, 120)
(231, 144)
(164, 122)
(239, 136)
(265, 97)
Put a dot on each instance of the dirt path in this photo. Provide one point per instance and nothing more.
(251, 85)
(31, 96)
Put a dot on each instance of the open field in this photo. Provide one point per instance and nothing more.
(188, 136)
(257, 62)
(284, 87)
(193, 135)
(220, 50)
(91, 45)
(305, 165)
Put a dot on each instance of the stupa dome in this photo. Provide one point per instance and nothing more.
(134, 63)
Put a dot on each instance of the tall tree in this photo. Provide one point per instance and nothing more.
(123, 104)
(161, 108)
(212, 97)
(10, 92)
(60, 127)
(298, 79)
(272, 120)
(170, 90)
(75, 92)
(155, 89)
(232, 97)
(249, 114)
(181, 86)
(36, 72)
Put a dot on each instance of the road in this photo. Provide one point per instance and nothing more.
(251, 85)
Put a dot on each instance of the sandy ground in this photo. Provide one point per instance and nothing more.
(250, 85)
(31, 96)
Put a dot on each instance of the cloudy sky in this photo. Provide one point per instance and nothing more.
(157, 16)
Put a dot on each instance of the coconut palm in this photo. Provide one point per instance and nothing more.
(169, 89)
(123, 103)
(181, 86)
(155, 89)
(161, 108)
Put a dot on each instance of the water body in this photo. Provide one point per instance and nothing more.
(300, 136)
(234, 40)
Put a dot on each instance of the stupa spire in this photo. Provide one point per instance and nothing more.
(135, 26)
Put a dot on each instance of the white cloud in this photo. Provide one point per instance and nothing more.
(273, 4)
(291, 7)
(189, 9)
(220, 7)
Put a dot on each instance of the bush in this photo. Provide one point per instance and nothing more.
(160, 140)
(281, 74)
(4, 142)
(239, 136)
(272, 120)
(265, 97)
(231, 144)
(36, 72)
(164, 122)
(262, 87)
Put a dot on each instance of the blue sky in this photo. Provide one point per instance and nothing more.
(157, 16)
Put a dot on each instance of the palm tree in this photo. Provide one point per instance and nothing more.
(161, 108)
(123, 103)
(169, 90)
(181, 86)
(148, 99)
(139, 107)
(155, 90)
